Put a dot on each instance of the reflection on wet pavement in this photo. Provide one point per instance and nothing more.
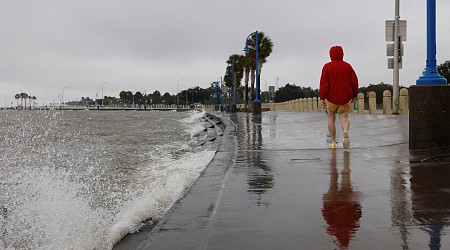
(420, 198)
(430, 200)
(418, 204)
(400, 205)
(341, 206)
(259, 173)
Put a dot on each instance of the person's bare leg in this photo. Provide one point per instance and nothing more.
(345, 124)
(332, 126)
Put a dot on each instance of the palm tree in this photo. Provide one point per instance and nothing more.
(17, 97)
(34, 101)
(265, 46)
(23, 96)
(249, 65)
(238, 61)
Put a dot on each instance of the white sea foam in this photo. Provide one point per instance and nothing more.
(196, 130)
(195, 117)
(195, 124)
(174, 178)
(48, 212)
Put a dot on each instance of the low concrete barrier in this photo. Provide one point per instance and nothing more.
(314, 104)
(387, 100)
(372, 103)
(404, 102)
(360, 103)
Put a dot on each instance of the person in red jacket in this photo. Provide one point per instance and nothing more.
(338, 89)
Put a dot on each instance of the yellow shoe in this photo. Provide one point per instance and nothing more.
(346, 140)
(332, 145)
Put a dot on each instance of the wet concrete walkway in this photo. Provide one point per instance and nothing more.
(274, 184)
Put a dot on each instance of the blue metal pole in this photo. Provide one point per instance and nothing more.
(257, 72)
(431, 76)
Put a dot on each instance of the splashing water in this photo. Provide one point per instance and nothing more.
(82, 180)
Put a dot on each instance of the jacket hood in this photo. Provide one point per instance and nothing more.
(336, 53)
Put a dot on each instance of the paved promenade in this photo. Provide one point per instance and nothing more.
(274, 184)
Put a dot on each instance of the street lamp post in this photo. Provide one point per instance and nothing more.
(233, 100)
(62, 98)
(221, 97)
(256, 102)
(185, 88)
(431, 75)
(145, 99)
(102, 92)
(178, 84)
(429, 121)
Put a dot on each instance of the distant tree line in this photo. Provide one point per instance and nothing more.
(292, 92)
(186, 97)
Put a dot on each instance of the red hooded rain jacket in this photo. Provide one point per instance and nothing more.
(338, 82)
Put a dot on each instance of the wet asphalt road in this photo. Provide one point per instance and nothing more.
(274, 184)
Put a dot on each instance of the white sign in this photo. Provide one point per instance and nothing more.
(390, 49)
(391, 64)
(390, 30)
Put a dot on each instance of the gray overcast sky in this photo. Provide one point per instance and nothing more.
(50, 45)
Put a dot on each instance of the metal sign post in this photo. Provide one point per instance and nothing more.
(395, 32)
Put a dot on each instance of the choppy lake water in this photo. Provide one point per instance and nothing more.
(83, 179)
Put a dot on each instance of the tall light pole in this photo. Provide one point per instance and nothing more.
(62, 97)
(145, 99)
(233, 100)
(256, 102)
(429, 121)
(221, 97)
(102, 92)
(178, 83)
(431, 75)
(185, 89)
